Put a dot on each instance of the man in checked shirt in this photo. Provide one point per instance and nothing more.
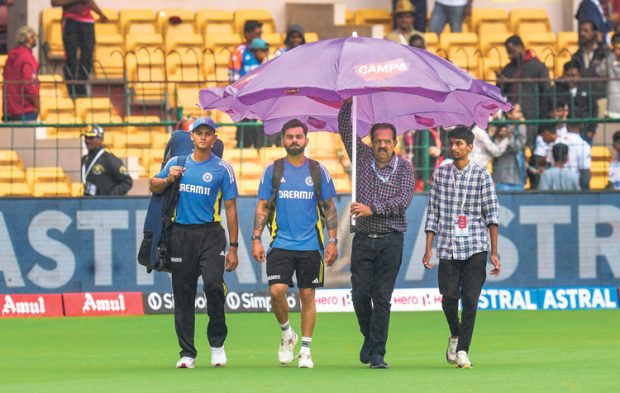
(462, 209)
(385, 189)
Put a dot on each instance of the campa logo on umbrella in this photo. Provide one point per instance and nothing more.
(381, 71)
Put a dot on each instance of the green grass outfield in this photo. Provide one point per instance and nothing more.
(512, 351)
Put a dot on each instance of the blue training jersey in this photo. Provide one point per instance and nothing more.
(297, 225)
(203, 186)
(248, 63)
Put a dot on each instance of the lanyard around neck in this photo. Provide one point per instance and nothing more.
(464, 188)
(382, 178)
(86, 172)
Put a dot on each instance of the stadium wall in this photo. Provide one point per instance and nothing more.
(90, 245)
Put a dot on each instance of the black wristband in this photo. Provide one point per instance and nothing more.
(234, 244)
(255, 237)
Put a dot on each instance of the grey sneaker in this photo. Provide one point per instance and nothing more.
(451, 350)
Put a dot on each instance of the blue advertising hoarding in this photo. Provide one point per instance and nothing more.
(78, 245)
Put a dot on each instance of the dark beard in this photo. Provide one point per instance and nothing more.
(294, 151)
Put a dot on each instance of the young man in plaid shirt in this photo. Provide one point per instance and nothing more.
(462, 212)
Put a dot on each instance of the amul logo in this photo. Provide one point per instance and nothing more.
(380, 71)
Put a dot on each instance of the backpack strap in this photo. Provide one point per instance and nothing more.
(315, 173)
(276, 178)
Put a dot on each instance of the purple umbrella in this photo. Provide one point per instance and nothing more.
(389, 83)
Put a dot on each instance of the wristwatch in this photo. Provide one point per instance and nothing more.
(233, 244)
(333, 240)
(255, 237)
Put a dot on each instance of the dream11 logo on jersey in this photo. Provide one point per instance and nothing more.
(381, 71)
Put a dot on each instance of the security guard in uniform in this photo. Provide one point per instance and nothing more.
(198, 240)
(102, 172)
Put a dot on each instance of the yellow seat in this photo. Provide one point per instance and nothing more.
(210, 21)
(493, 46)
(163, 17)
(311, 37)
(137, 140)
(108, 61)
(52, 189)
(543, 46)
(274, 40)
(270, 154)
(488, 16)
(599, 182)
(241, 155)
(45, 174)
(261, 15)
(526, 27)
(15, 190)
(349, 17)
(462, 49)
(489, 29)
(56, 105)
(567, 44)
(52, 32)
(137, 17)
(528, 15)
(85, 108)
(12, 173)
(431, 41)
(368, 16)
(77, 189)
(221, 47)
(601, 153)
(183, 36)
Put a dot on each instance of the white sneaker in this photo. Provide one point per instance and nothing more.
(186, 362)
(305, 360)
(451, 350)
(218, 357)
(287, 345)
(462, 360)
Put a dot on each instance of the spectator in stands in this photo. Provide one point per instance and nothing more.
(560, 113)
(403, 13)
(254, 55)
(419, 13)
(251, 29)
(21, 87)
(579, 154)
(486, 148)
(295, 36)
(509, 168)
(531, 94)
(580, 97)
(102, 172)
(78, 32)
(417, 41)
(594, 10)
(590, 53)
(559, 178)
(614, 167)
(610, 68)
(547, 137)
(452, 12)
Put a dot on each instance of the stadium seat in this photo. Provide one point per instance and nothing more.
(137, 140)
(85, 108)
(214, 22)
(52, 32)
(50, 174)
(521, 15)
(367, 16)
(52, 189)
(181, 37)
(185, 95)
(159, 140)
(532, 27)
(310, 37)
(108, 61)
(270, 154)
(567, 44)
(462, 50)
(162, 20)
(2, 62)
(493, 46)
(136, 21)
(56, 105)
(262, 15)
(432, 42)
(12, 174)
(349, 17)
(219, 50)
(274, 40)
(241, 155)
(15, 189)
(488, 17)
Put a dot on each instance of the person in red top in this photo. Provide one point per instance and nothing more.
(78, 31)
(21, 87)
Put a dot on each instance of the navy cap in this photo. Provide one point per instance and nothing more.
(203, 121)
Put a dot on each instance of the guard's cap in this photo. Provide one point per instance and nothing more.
(94, 131)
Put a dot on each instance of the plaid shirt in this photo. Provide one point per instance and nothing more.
(388, 200)
(444, 205)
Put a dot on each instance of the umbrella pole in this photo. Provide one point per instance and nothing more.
(354, 154)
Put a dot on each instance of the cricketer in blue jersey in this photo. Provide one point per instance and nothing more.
(297, 231)
(198, 241)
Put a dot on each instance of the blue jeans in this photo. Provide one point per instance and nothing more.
(443, 14)
(31, 116)
(509, 187)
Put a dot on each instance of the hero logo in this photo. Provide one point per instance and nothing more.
(23, 308)
(90, 304)
(381, 71)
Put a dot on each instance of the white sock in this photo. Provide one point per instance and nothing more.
(286, 328)
(305, 344)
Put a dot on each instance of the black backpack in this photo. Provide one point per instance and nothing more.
(276, 178)
(157, 244)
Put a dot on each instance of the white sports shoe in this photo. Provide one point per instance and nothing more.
(462, 360)
(218, 357)
(186, 362)
(451, 350)
(305, 360)
(287, 345)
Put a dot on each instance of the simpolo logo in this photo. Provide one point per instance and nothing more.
(381, 71)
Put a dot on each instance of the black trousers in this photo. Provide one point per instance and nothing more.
(198, 250)
(78, 35)
(374, 267)
(462, 279)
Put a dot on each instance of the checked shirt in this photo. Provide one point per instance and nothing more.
(481, 208)
(388, 200)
